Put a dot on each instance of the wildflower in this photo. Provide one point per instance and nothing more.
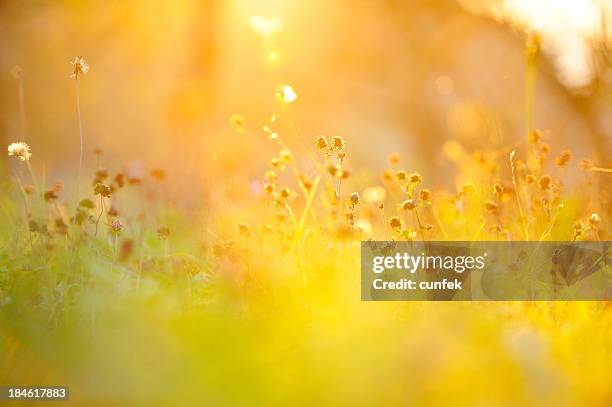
(158, 174)
(545, 182)
(530, 179)
(374, 195)
(101, 174)
(286, 94)
(244, 229)
(594, 220)
(305, 183)
(354, 198)
(491, 206)
(341, 155)
(468, 188)
(285, 193)
(534, 136)
(270, 176)
(19, 150)
(408, 205)
(102, 190)
(415, 178)
(563, 159)
(275, 163)
(578, 228)
(394, 158)
(395, 222)
(163, 232)
(285, 156)
(425, 195)
(321, 143)
(388, 175)
(237, 121)
(80, 67)
(335, 170)
(268, 187)
(119, 179)
(116, 227)
(337, 143)
(401, 175)
(50, 195)
(498, 188)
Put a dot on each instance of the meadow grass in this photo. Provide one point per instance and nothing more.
(131, 301)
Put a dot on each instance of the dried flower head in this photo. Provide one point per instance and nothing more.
(388, 175)
(268, 187)
(395, 222)
(285, 156)
(535, 136)
(321, 143)
(498, 189)
(80, 67)
(563, 158)
(545, 182)
(337, 143)
(158, 174)
(415, 178)
(285, 193)
(491, 206)
(401, 175)
(578, 228)
(394, 158)
(163, 232)
(354, 198)
(19, 150)
(530, 179)
(102, 190)
(244, 229)
(425, 195)
(408, 205)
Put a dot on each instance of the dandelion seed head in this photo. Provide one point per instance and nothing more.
(19, 150)
(80, 67)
